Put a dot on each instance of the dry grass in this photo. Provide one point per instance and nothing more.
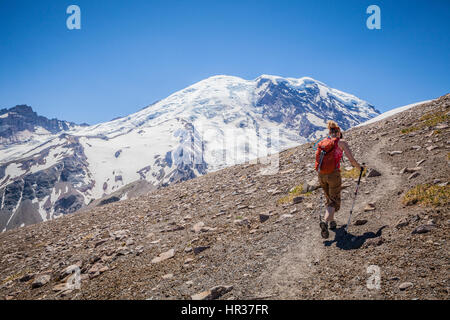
(13, 277)
(428, 120)
(295, 192)
(352, 174)
(428, 195)
(409, 129)
(432, 119)
(87, 237)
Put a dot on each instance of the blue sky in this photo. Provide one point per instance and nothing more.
(130, 53)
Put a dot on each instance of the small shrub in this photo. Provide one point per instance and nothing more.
(428, 195)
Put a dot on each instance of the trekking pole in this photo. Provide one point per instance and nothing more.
(356, 192)
(322, 154)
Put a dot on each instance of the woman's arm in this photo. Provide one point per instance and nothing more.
(344, 146)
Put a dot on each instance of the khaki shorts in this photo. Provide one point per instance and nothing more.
(331, 185)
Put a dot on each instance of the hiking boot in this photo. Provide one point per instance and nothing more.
(324, 230)
(333, 225)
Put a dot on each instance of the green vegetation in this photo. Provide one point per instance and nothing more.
(295, 192)
(432, 119)
(409, 129)
(428, 195)
(428, 120)
(352, 174)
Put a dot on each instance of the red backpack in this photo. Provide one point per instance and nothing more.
(325, 157)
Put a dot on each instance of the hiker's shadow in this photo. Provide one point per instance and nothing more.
(348, 241)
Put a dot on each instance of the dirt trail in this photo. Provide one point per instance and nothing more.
(389, 180)
(295, 266)
(386, 183)
(300, 262)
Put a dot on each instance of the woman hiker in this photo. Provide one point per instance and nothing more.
(328, 157)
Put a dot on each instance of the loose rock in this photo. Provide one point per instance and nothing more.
(297, 200)
(372, 173)
(405, 285)
(199, 249)
(360, 222)
(424, 229)
(212, 293)
(369, 207)
(164, 256)
(263, 217)
(40, 281)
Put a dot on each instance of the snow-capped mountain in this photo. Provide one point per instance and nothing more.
(21, 124)
(217, 122)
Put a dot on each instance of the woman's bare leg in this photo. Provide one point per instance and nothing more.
(329, 214)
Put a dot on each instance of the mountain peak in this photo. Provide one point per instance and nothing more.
(277, 79)
(190, 133)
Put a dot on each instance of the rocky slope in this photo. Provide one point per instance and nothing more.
(210, 125)
(236, 234)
